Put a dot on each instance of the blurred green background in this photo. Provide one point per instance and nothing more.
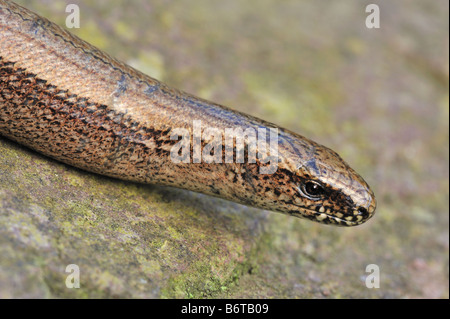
(379, 97)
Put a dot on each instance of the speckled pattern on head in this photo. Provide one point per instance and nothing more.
(68, 100)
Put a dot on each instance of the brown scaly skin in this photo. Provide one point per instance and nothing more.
(67, 99)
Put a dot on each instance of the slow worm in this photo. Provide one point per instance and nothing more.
(70, 101)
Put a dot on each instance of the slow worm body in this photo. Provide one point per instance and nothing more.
(68, 100)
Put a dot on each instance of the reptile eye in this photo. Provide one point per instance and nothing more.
(312, 190)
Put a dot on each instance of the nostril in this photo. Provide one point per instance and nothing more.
(362, 211)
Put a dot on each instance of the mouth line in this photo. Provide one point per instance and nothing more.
(330, 219)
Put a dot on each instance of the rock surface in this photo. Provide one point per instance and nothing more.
(379, 97)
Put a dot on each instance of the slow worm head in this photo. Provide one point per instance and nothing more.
(69, 100)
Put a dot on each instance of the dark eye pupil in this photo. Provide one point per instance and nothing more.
(313, 189)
